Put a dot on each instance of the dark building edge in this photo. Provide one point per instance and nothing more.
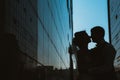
(2, 2)
(109, 27)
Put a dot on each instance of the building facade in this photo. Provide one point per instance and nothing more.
(20, 20)
(114, 27)
(54, 32)
(43, 32)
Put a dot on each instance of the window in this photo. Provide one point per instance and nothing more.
(18, 1)
(14, 20)
(116, 16)
(30, 19)
(24, 9)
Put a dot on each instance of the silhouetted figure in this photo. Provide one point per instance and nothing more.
(103, 56)
(83, 55)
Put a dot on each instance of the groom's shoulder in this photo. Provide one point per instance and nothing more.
(108, 45)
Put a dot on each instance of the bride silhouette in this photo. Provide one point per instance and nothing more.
(83, 55)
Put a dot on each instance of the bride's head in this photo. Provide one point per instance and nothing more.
(81, 38)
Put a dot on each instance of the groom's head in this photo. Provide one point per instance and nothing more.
(97, 33)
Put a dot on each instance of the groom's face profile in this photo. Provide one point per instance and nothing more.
(97, 34)
(94, 37)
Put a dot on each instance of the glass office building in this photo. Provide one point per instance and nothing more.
(114, 27)
(43, 29)
(42, 32)
(54, 32)
(18, 18)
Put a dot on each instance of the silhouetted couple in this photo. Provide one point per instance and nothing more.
(97, 63)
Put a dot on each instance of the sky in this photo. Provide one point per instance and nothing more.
(90, 13)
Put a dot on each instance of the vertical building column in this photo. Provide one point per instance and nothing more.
(2, 4)
(109, 27)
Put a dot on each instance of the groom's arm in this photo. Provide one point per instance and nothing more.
(109, 55)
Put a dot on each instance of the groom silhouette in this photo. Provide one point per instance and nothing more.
(103, 56)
